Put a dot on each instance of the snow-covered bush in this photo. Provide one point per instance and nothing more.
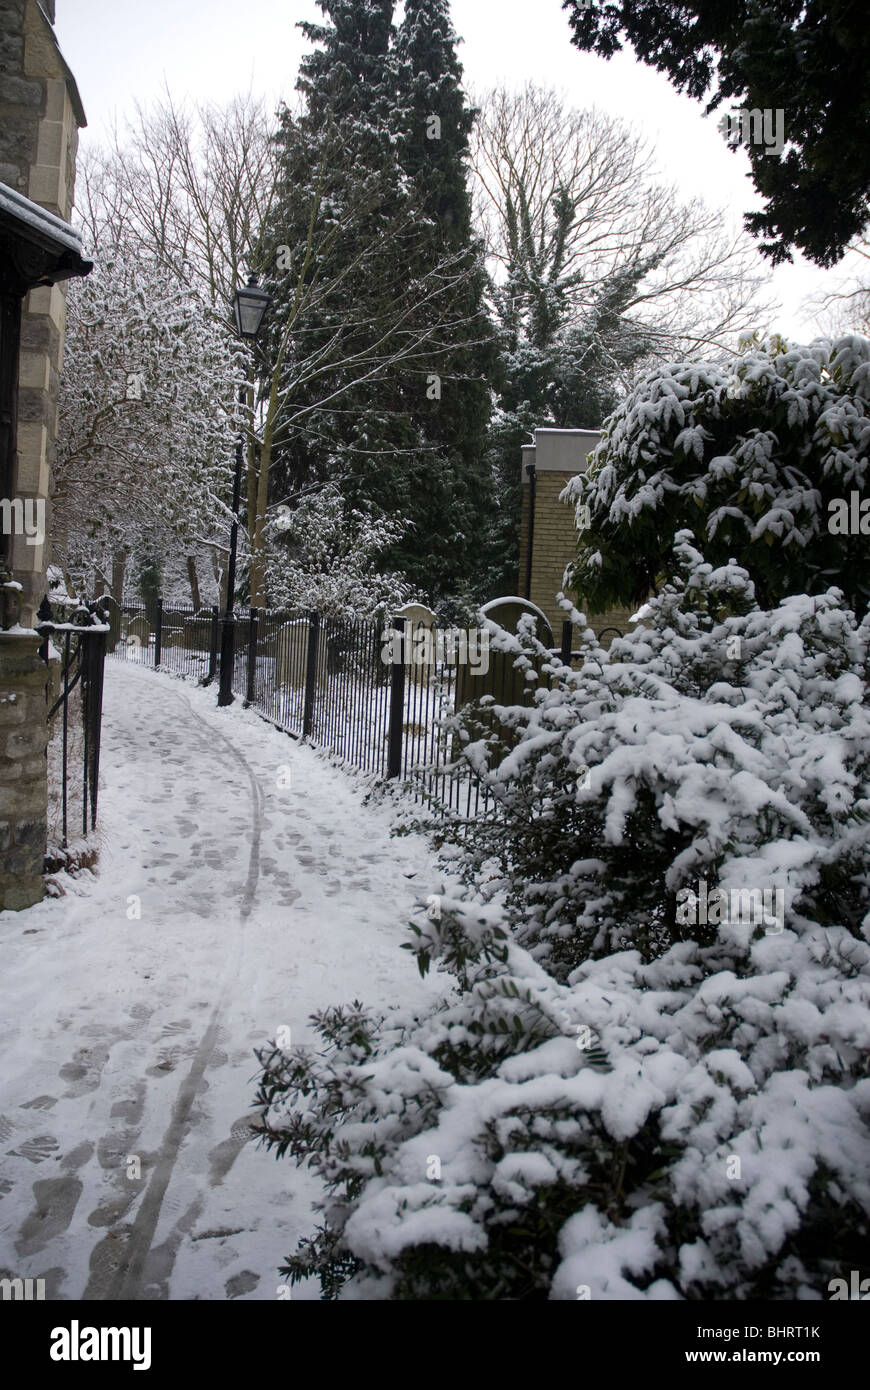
(718, 742)
(713, 1144)
(751, 456)
(613, 1102)
(323, 554)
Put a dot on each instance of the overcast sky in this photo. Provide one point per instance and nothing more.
(124, 51)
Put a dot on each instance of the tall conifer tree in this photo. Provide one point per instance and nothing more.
(453, 413)
(396, 202)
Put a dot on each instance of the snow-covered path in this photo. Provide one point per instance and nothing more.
(130, 1036)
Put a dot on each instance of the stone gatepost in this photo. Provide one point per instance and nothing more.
(23, 693)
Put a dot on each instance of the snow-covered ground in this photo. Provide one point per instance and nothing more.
(131, 1036)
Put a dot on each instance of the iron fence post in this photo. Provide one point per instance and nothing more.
(213, 645)
(158, 635)
(98, 668)
(228, 636)
(64, 797)
(310, 673)
(397, 704)
(252, 656)
(567, 642)
(92, 655)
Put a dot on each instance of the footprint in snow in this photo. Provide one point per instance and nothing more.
(38, 1149)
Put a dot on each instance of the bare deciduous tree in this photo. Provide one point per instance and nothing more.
(570, 198)
(195, 193)
(846, 309)
(195, 187)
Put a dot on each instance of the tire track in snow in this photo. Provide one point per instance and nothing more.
(127, 1283)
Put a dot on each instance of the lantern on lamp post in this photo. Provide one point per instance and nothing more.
(249, 309)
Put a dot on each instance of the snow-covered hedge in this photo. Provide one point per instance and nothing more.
(616, 1101)
(323, 554)
(717, 743)
(721, 1151)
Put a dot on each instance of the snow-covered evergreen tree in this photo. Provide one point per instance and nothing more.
(766, 459)
(383, 391)
(451, 402)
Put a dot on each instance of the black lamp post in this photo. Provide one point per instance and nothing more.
(249, 310)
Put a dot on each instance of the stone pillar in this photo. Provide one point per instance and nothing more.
(42, 327)
(23, 678)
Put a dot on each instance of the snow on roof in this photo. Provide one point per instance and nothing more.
(15, 205)
(553, 429)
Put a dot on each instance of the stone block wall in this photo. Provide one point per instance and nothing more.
(40, 117)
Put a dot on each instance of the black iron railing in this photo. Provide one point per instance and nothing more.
(381, 698)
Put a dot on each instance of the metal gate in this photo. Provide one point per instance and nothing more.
(74, 652)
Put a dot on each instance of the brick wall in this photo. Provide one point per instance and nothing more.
(554, 544)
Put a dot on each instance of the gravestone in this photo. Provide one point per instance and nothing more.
(502, 680)
(508, 611)
(136, 635)
(291, 647)
(418, 650)
(416, 614)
